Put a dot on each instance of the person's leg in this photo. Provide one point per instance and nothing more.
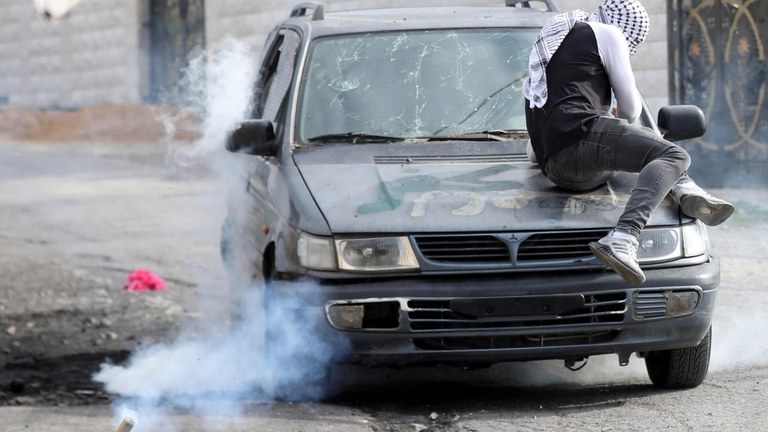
(622, 147)
(565, 168)
(614, 145)
(697, 203)
(587, 174)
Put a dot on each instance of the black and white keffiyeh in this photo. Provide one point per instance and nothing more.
(549, 40)
(628, 15)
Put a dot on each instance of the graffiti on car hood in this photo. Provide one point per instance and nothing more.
(473, 185)
(464, 197)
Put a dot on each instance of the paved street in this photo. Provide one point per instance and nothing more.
(75, 219)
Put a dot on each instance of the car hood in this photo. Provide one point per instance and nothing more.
(453, 187)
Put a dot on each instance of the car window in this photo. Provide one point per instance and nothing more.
(278, 74)
(417, 83)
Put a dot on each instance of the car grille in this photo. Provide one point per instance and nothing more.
(463, 249)
(435, 315)
(558, 246)
(502, 342)
(537, 248)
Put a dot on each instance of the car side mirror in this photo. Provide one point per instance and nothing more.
(681, 122)
(253, 137)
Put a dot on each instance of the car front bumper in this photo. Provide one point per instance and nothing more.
(515, 317)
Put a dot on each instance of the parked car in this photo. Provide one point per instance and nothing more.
(387, 166)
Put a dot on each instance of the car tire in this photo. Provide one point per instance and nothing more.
(680, 368)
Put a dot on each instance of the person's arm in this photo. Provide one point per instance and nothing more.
(615, 55)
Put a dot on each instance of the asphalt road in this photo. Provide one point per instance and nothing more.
(76, 219)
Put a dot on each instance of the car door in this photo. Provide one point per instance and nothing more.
(270, 103)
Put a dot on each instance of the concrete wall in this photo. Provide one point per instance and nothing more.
(251, 21)
(90, 57)
(96, 55)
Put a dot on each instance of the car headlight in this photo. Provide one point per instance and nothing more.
(376, 254)
(659, 244)
(666, 244)
(316, 252)
(695, 239)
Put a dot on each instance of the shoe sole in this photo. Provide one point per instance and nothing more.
(710, 212)
(603, 253)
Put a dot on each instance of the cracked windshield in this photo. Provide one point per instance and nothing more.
(415, 85)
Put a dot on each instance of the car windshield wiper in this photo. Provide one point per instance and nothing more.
(489, 135)
(355, 137)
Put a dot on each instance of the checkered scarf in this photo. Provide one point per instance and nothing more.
(628, 15)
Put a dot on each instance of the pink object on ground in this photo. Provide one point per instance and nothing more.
(144, 280)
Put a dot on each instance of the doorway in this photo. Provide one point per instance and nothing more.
(176, 33)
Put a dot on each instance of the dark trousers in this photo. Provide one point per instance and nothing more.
(613, 145)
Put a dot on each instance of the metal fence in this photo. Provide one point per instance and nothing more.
(717, 57)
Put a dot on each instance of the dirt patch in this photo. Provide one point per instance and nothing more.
(60, 322)
(108, 122)
(75, 220)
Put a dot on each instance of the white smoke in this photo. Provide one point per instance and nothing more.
(218, 90)
(740, 243)
(735, 340)
(215, 374)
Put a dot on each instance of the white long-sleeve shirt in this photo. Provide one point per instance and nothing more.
(614, 55)
(614, 52)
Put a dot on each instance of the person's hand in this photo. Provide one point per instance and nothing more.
(614, 112)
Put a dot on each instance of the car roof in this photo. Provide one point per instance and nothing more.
(389, 19)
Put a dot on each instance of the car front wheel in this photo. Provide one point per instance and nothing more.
(680, 368)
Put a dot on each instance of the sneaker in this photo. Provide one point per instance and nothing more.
(697, 203)
(619, 254)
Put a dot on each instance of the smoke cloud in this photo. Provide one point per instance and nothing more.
(215, 374)
(740, 244)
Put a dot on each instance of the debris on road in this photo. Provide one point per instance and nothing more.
(144, 280)
(126, 425)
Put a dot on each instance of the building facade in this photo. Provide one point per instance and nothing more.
(92, 56)
(128, 51)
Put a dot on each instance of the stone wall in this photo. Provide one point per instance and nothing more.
(90, 57)
(252, 20)
(96, 56)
